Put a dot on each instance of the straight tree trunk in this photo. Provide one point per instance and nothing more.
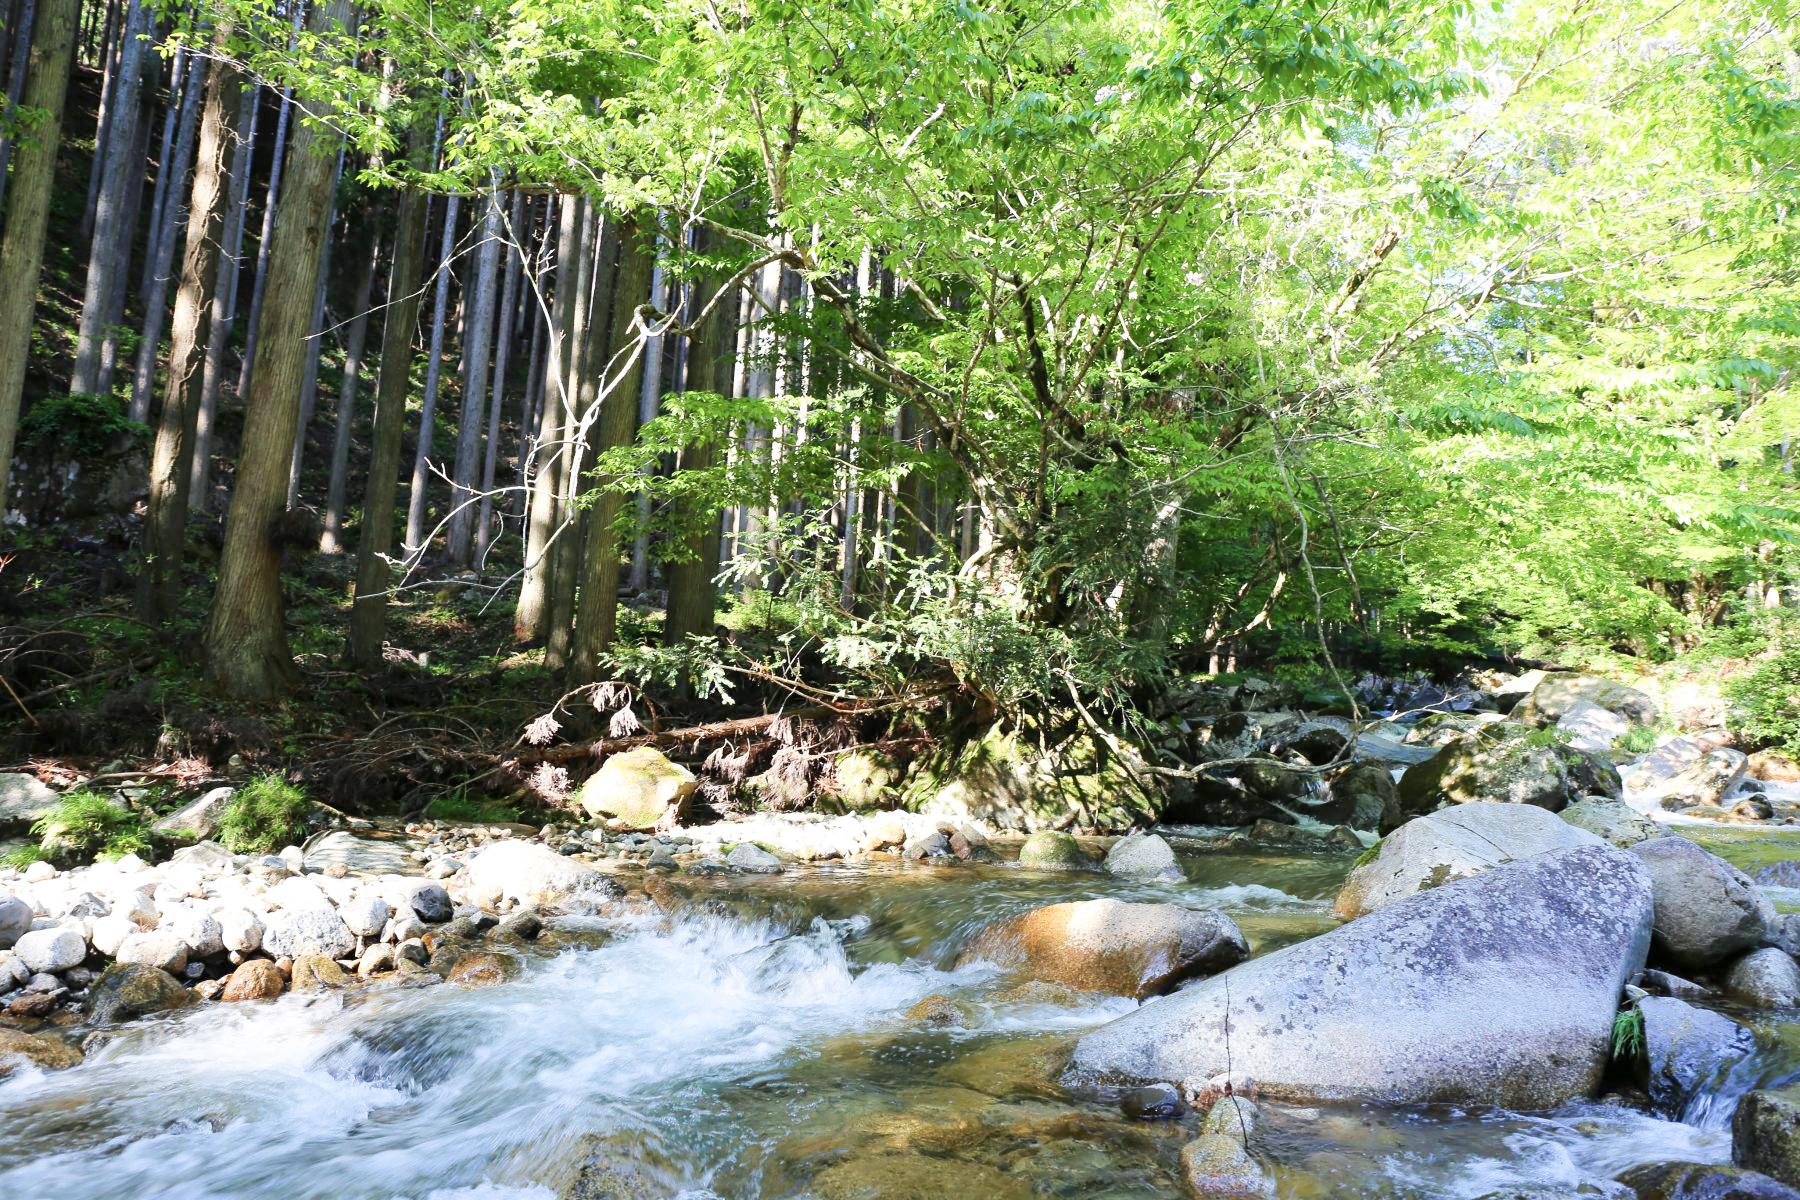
(162, 250)
(597, 606)
(649, 397)
(509, 299)
(330, 540)
(15, 81)
(225, 297)
(165, 523)
(175, 110)
(531, 615)
(712, 354)
(315, 344)
(247, 653)
(476, 358)
(434, 370)
(109, 79)
(400, 321)
(113, 222)
(259, 287)
(34, 178)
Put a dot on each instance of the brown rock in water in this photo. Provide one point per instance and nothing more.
(313, 972)
(1702, 1181)
(478, 969)
(1218, 1162)
(1136, 950)
(257, 979)
(1772, 766)
(937, 1011)
(40, 1050)
(914, 1177)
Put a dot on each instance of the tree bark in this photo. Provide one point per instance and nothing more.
(477, 343)
(586, 350)
(162, 248)
(337, 490)
(434, 371)
(509, 299)
(225, 297)
(260, 283)
(531, 615)
(113, 223)
(246, 644)
(17, 71)
(34, 178)
(712, 355)
(165, 524)
(399, 325)
(597, 607)
(315, 344)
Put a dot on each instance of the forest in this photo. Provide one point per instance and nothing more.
(685, 453)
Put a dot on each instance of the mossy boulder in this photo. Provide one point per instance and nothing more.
(44, 1051)
(866, 779)
(640, 787)
(1507, 764)
(1051, 849)
(1010, 779)
(126, 991)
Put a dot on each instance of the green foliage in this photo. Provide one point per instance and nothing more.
(23, 855)
(266, 814)
(76, 425)
(1639, 739)
(1765, 699)
(84, 825)
(462, 807)
(1627, 1040)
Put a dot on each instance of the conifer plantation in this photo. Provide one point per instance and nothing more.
(1013, 598)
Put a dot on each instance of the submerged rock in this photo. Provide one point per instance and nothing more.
(1218, 1162)
(126, 991)
(914, 1177)
(1143, 856)
(1706, 909)
(1686, 1049)
(1135, 950)
(1497, 989)
(44, 1051)
(640, 787)
(1453, 844)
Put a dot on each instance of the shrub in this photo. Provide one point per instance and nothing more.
(1639, 739)
(85, 825)
(78, 425)
(1765, 700)
(266, 814)
(1628, 1035)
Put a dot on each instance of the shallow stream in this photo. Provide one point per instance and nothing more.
(758, 1045)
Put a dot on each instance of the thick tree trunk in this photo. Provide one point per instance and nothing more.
(587, 352)
(225, 298)
(246, 645)
(260, 282)
(459, 537)
(712, 355)
(399, 325)
(165, 523)
(531, 615)
(315, 346)
(337, 490)
(162, 249)
(434, 373)
(17, 70)
(597, 607)
(509, 299)
(114, 219)
(34, 178)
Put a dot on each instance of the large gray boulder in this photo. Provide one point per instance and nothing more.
(1453, 844)
(1135, 950)
(1614, 820)
(1706, 780)
(199, 818)
(532, 873)
(1509, 764)
(1498, 989)
(1143, 856)
(1590, 727)
(1686, 1050)
(1765, 978)
(1765, 1133)
(1706, 909)
(22, 800)
(1558, 694)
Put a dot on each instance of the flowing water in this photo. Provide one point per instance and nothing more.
(758, 1044)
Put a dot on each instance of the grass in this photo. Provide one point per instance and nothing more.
(83, 826)
(1639, 739)
(266, 814)
(460, 806)
(1628, 1035)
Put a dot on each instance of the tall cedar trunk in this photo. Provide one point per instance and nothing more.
(530, 617)
(336, 491)
(34, 177)
(649, 397)
(165, 523)
(400, 321)
(589, 350)
(176, 108)
(509, 299)
(712, 354)
(315, 345)
(246, 645)
(434, 373)
(113, 219)
(225, 295)
(162, 248)
(109, 78)
(17, 70)
(259, 285)
(597, 606)
(476, 345)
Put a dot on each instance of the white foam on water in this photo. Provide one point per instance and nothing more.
(1244, 895)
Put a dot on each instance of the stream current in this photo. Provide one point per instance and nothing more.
(758, 1044)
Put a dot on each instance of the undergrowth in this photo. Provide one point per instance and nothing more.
(266, 814)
